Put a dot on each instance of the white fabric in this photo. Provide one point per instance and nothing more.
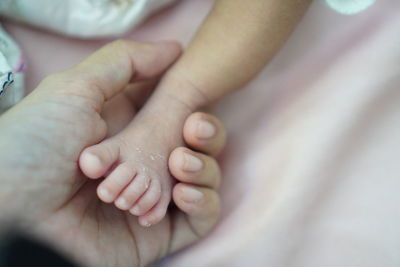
(82, 18)
(349, 7)
(11, 79)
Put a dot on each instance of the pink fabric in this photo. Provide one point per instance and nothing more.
(312, 171)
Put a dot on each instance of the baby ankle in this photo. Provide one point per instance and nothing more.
(186, 90)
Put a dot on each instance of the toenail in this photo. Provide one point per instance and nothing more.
(191, 195)
(105, 194)
(145, 223)
(191, 163)
(205, 129)
(135, 210)
(122, 203)
(94, 160)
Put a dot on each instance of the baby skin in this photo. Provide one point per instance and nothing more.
(234, 43)
(134, 161)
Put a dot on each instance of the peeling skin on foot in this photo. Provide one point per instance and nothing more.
(147, 183)
(157, 156)
(152, 156)
(144, 176)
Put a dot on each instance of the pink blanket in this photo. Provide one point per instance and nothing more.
(312, 168)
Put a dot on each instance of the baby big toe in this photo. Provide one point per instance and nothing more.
(133, 192)
(96, 160)
(116, 181)
(148, 200)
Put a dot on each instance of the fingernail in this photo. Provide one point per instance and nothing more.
(191, 195)
(205, 129)
(191, 163)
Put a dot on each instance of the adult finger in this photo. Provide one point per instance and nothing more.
(199, 211)
(105, 73)
(194, 168)
(205, 133)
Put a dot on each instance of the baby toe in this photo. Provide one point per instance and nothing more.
(133, 192)
(115, 182)
(157, 213)
(148, 200)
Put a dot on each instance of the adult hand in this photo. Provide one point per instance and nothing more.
(40, 142)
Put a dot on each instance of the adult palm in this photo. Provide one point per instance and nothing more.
(40, 142)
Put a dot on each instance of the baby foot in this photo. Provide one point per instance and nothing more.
(135, 162)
